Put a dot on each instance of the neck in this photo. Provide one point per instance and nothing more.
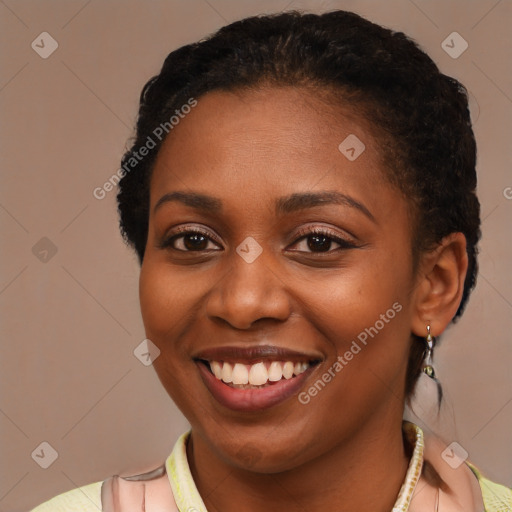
(364, 472)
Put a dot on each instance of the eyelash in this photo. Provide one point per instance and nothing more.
(181, 232)
(332, 235)
(302, 234)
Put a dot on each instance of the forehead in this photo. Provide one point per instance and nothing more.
(272, 139)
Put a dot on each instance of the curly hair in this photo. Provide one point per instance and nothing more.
(421, 116)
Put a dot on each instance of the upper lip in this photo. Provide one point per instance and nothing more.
(250, 355)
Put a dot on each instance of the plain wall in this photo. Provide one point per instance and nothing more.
(71, 321)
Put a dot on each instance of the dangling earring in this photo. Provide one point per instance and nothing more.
(428, 365)
(428, 386)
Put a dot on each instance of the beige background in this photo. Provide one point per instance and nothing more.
(70, 324)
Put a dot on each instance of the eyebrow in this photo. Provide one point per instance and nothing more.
(301, 201)
(192, 199)
(283, 205)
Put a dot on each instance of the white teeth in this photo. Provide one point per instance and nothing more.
(240, 374)
(216, 368)
(288, 370)
(275, 372)
(258, 374)
(227, 373)
(300, 368)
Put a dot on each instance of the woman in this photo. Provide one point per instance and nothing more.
(301, 197)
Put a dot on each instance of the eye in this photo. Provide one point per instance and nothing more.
(320, 240)
(313, 240)
(189, 240)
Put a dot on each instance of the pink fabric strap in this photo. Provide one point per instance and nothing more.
(148, 492)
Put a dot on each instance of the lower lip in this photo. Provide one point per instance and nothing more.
(256, 399)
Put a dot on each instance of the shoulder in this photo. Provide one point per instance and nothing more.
(151, 491)
(497, 497)
(117, 494)
(462, 483)
(81, 499)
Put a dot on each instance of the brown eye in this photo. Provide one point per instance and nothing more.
(189, 241)
(319, 243)
(320, 240)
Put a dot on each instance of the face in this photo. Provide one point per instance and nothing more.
(276, 255)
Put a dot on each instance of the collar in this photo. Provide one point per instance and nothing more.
(417, 493)
(414, 436)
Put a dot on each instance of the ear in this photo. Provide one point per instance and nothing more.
(439, 285)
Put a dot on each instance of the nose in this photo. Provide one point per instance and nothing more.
(249, 292)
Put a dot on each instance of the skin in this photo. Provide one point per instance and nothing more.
(248, 149)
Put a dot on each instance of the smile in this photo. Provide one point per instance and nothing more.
(247, 379)
(259, 375)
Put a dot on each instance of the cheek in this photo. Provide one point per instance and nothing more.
(165, 303)
(164, 298)
(152, 296)
(363, 312)
(343, 304)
